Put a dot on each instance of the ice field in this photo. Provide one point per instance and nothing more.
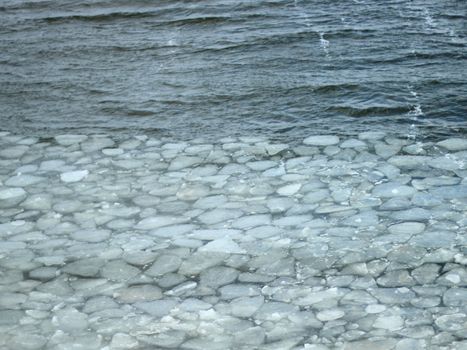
(144, 243)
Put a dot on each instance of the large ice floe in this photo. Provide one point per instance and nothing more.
(144, 243)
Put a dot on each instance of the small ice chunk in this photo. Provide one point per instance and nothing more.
(166, 339)
(246, 306)
(11, 300)
(371, 135)
(274, 172)
(261, 165)
(68, 139)
(112, 151)
(183, 289)
(233, 291)
(452, 323)
(409, 162)
(192, 192)
(200, 261)
(159, 221)
(412, 214)
(434, 239)
(193, 304)
(10, 197)
(119, 271)
(279, 205)
(429, 182)
(321, 140)
(84, 268)
(218, 276)
(99, 303)
(246, 222)
(28, 168)
(91, 235)
(68, 206)
(375, 308)
(122, 341)
(173, 231)
(391, 323)
(23, 180)
(175, 146)
(289, 190)
(74, 176)
(43, 273)
(210, 202)
(219, 215)
(454, 144)
(14, 152)
(276, 148)
(138, 293)
(182, 162)
(450, 192)
(120, 211)
(262, 232)
(146, 200)
(212, 234)
(393, 189)
(7, 246)
(453, 278)
(224, 245)
(28, 341)
(446, 163)
(407, 228)
(196, 149)
(292, 220)
(40, 201)
(252, 336)
(96, 144)
(157, 308)
(385, 151)
(70, 320)
(164, 264)
(330, 314)
(52, 165)
(353, 143)
(397, 278)
(455, 297)
(129, 164)
(367, 218)
(10, 318)
(316, 196)
(233, 168)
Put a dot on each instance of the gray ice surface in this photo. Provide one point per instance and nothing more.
(143, 243)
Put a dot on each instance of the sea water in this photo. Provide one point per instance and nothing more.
(280, 69)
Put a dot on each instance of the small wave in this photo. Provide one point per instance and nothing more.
(415, 111)
(98, 17)
(198, 20)
(128, 112)
(263, 41)
(428, 19)
(28, 5)
(160, 18)
(369, 111)
(435, 55)
(351, 33)
(324, 44)
(324, 89)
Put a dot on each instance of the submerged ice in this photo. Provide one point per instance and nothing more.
(335, 243)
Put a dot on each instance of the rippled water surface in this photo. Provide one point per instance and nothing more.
(280, 68)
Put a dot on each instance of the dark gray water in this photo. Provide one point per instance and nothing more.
(280, 68)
